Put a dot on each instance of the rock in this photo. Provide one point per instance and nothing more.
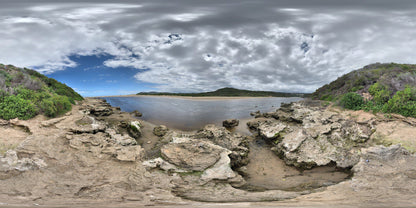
(134, 129)
(230, 123)
(53, 121)
(193, 155)
(271, 130)
(101, 111)
(221, 170)
(162, 164)
(87, 124)
(256, 114)
(306, 137)
(129, 154)
(136, 113)
(4, 122)
(160, 131)
(10, 162)
(119, 138)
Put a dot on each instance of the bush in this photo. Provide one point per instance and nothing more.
(380, 93)
(16, 107)
(403, 103)
(55, 105)
(352, 101)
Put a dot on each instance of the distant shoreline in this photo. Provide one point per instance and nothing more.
(187, 97)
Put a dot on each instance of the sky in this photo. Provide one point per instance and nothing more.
(124, 47)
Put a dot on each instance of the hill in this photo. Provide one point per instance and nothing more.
(25, 93)
(230, 92)
(387, 88)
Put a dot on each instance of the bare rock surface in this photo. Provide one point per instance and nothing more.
(160, 130)
(230, 123)
(306, 136)
(195, 155)
(90, 157)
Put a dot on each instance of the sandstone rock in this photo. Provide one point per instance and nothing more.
(235, 142)
(230, 123)
(256, 114)
(134, 129)
(136, 113)
(119, 138)
(129, 153)
(306, 137)
(4, 122)
(53, 121)
(162, 164)
(194, 155)
(271, 130)
(221, 170)
(10, 162)
(87, 124)
(160, 131)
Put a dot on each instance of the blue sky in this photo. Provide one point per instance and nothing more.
(91, 78)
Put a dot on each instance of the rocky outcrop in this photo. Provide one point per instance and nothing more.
(160, 131)
(136, 113)
(230, 123)
(235, 142)
(134, 129)
(306, 136)
(193, 155)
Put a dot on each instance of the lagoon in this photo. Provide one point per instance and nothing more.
(188, 113)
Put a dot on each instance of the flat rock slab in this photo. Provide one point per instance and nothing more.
(195, 155)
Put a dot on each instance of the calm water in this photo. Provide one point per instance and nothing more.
(189, 114)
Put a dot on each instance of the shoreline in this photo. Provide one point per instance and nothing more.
(202, 98)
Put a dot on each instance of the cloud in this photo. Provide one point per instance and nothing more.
(188, 46)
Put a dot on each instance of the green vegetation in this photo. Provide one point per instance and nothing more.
(230, 92)
(352, 101)
(25, 93)
(390, 88)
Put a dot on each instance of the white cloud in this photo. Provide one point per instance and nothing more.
(192, 46)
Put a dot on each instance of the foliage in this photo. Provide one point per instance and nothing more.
(392, 76)
(24, 93)
(352, 101)
(55, 105)
(380, 93)
(15, 106)
(403, 102)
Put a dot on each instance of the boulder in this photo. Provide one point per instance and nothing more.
(136, 113)
(101, 111)
(192, 156)
(134, 129)
(306, 137)
(230, 123)
(86, 124)
(160, 131)
(271, 130)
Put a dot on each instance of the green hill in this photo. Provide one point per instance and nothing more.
(388, 88)
(25, 93)
(230, 92)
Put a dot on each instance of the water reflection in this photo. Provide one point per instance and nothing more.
(187, 114)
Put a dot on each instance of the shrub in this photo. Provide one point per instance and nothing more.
(352, 101)
(403, 103)
(17, 107)
(380, 93)
(55, 105)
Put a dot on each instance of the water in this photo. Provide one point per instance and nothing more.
(191, 114)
